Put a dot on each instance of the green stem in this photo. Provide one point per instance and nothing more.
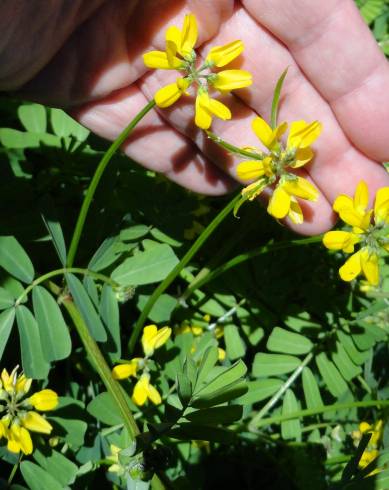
(96, 179)
(325, 408)
(14, 470)
(206, 276)
(178, 268)
(274, 399)
(234, 149)
(102, 368)
(60, 272)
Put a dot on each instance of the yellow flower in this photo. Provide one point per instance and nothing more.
(144, 391)
(153, 338)
(369, 228)
(127, 369)
(221, 354)
(180, 55)
(116, 467)
(18, 418)
(371, 452)
(272, 168)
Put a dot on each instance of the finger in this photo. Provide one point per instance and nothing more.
(154, 144)
(318, 215)
(338, 165)
(335, 49)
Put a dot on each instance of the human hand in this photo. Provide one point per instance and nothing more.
(336, 75)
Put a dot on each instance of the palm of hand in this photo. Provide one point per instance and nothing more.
(336, 75)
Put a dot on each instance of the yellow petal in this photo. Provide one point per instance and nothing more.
(173, 43)
(8, 380)
(303, 134)
(301, 187)
(227, 80)
(2, 429)
(369, 263)
(219, 109)
(153, 395)
(250, 169)
(19, 439)
(139, 395)
(221, 354)
(35, 422)
(189, 35)
(351, 268)
(159, 59)
(266, 134)
(23, 384)
(361, 197)
(44, 400)
(340, 240)
(353, 218)
(381, 206)
(303, 156)
(295, 212)
(123, 371)
(342, 201)
(166, 96)
(149, 333)
(203, 118)
(222, 55)
(279, 203)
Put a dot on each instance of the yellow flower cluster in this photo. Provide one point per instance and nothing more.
(18, 417)
(369, 229)
(180, 55)
(152, 339)
(272, 167)
(371, 452)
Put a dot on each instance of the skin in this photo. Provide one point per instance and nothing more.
(86, 56)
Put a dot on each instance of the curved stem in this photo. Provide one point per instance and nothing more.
(206, 276)
(96, 179)
(314, 411)
(234, 149)
(178, 268)
(60, 272)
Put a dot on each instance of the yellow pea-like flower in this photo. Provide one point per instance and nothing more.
(154, 338)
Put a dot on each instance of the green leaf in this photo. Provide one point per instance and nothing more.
(235, 346)
(162, 309)
(225, 394)
(53, 331)
(14, 259)
(15, 139)
(228, 376)
(109, 311)
(342, 361)
(7, 318)
(208, 361)
(274, 364)
(290, 429)
(147, 267)
(104, 409)
(184, 388)
(64, 125)
(33, 362)
(311, 390)
(105, 255)
(362, 337)
(134, 233)
(33, 117)
(216, 415)
(358, 357)
(190, 431)
(331, 376)
(276, 99)
(74, 430)
(55, 230)
(86, 308)
(372, 9)
(61, 468)
(6, 299)
(37, 478)
(288, 342)
(259, 390)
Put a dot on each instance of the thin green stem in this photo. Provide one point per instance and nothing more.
(14, 470)
(60, 272)
(102, 368)
(234, 149)
(96, 179)
(178, 268)
(206, 276)
(315, 411)
(274, 399)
